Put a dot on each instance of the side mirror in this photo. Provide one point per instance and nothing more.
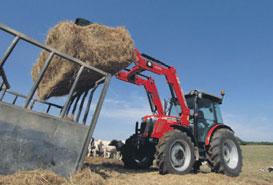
(222, 94)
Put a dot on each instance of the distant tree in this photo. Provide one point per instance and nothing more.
(242, 142)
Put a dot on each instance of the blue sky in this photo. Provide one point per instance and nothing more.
(213, 44)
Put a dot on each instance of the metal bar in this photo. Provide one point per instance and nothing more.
(154, 60)
(94, 121)
(16, 94)
(34, 101)
(75, 105)
(88, 105)
(70, 103)
(48, 108)
(4, 77)
(48, 103)
(14, 100)
(142, 75)
(32, 104)
(172, 93)
(1, 86)
(71, 91)
(49, 49)
(150, 102)
(90, 99)
(3, 94)
(8, 51)
(41, 75)
(81, 106)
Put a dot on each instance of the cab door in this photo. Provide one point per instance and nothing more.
(205, 117)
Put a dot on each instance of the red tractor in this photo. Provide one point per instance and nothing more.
(187, 131)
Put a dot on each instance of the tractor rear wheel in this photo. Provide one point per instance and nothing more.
(224, 153)
(137, 157)
(175, 153)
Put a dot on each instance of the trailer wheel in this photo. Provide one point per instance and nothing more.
(137, 157)
(175, 153)
(224, 153)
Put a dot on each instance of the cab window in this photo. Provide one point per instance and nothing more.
(211, 110)
(205, 117)
(205, 109)
(218, 114)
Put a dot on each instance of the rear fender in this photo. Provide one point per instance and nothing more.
(213, 129)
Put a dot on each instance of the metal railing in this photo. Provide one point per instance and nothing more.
(5, 82)
(74, 101)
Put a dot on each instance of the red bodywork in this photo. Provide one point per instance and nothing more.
(162, 126)
(212, 130)
(209, 134)
(162, 121)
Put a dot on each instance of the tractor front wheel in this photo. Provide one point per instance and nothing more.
(175, 153)
(137, 156)
(224, 153)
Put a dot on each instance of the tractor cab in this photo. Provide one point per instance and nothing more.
(204, 112)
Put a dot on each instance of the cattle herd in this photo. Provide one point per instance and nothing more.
(106, 149)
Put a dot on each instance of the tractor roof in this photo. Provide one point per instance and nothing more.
(204, 95)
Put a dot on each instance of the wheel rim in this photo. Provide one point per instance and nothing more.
(180, 155)
(140, 160)
(230, 154)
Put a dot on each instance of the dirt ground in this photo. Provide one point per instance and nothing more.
(99, 171)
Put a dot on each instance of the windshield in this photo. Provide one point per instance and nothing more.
(206, 107)
(175, 109)
(209, 109)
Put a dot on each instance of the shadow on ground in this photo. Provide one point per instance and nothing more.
(106, 167)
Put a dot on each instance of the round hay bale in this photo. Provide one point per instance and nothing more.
(103, 47)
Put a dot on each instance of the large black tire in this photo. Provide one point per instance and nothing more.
(224, 153)
(175, 153)
(137, 158)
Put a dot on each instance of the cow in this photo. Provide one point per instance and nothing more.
(91, 148)
(118, 144)
(105, 149)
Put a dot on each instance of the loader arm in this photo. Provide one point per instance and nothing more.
(144, 62)
(150, 87)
